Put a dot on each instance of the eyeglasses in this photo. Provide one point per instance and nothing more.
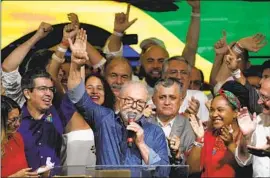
(196, 83)
(130, 102)
(174, 72)
(263, 98)
(44, 89)
(14, 120)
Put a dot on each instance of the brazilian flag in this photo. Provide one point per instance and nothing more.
(167, 20)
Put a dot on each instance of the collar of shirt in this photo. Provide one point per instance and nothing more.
(170, 124)
(47, 116)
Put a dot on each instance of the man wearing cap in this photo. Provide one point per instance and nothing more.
(145, 44)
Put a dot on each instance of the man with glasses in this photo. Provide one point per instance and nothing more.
(42, 125)
(111, 130)
(193, 101)
(255, 145)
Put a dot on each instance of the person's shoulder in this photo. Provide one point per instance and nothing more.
(151, 125)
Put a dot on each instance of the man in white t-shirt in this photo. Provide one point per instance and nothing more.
(193, 100)
(256, 133)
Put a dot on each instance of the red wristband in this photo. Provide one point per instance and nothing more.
(65, 43)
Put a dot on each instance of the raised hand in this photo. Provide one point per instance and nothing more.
(193, 106)
(79, 54)
(221, 45)
(253, 43)
(247, 123)
(261, 151)
(43, 30)
(133, 126)
(121, 21)
(226, 135)
(197, 126)
(195, 4)
(231, 60)
(148, 111)
(70, 31)
(74, 19)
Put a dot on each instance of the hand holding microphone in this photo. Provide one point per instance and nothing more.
(134, 129)
(130, 136)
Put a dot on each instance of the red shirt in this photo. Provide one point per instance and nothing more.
(216, 160)
(14, 156)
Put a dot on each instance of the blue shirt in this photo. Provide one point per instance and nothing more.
(111, 134)
(43, 138)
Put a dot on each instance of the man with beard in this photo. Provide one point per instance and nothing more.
(149, 144)
(255, 144)
(151, 62)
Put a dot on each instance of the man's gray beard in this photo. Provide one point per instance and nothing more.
(124, 115)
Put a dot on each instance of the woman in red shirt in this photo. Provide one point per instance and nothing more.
(213, 153)
(13, 159)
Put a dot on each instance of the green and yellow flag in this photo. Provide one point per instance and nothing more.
(238, 18)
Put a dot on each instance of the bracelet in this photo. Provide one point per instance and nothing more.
(58, 59)
(240, 45)
(198, 144)
(65, 43)
(118, 34)
(237, 73)
(193, 14)
(200, 140)
(236, 48)
(63, 50)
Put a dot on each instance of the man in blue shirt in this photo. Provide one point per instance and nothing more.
(110, 129)
(42, 125)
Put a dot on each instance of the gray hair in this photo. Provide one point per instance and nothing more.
(168, 82)
(134, 84)
(174, 58)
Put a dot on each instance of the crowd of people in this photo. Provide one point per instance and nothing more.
(95, 110)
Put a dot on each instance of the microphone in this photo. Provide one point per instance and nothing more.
(130, 135)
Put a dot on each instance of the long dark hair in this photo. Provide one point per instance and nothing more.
(109, 99)
(7, 105)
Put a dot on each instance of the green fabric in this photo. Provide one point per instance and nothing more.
(230, 97)
(238, 18)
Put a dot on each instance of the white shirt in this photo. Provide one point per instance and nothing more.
(12, 83)
(203, 112)
(109, 53)
(261, 165)
(78, 148)
(166, 128)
